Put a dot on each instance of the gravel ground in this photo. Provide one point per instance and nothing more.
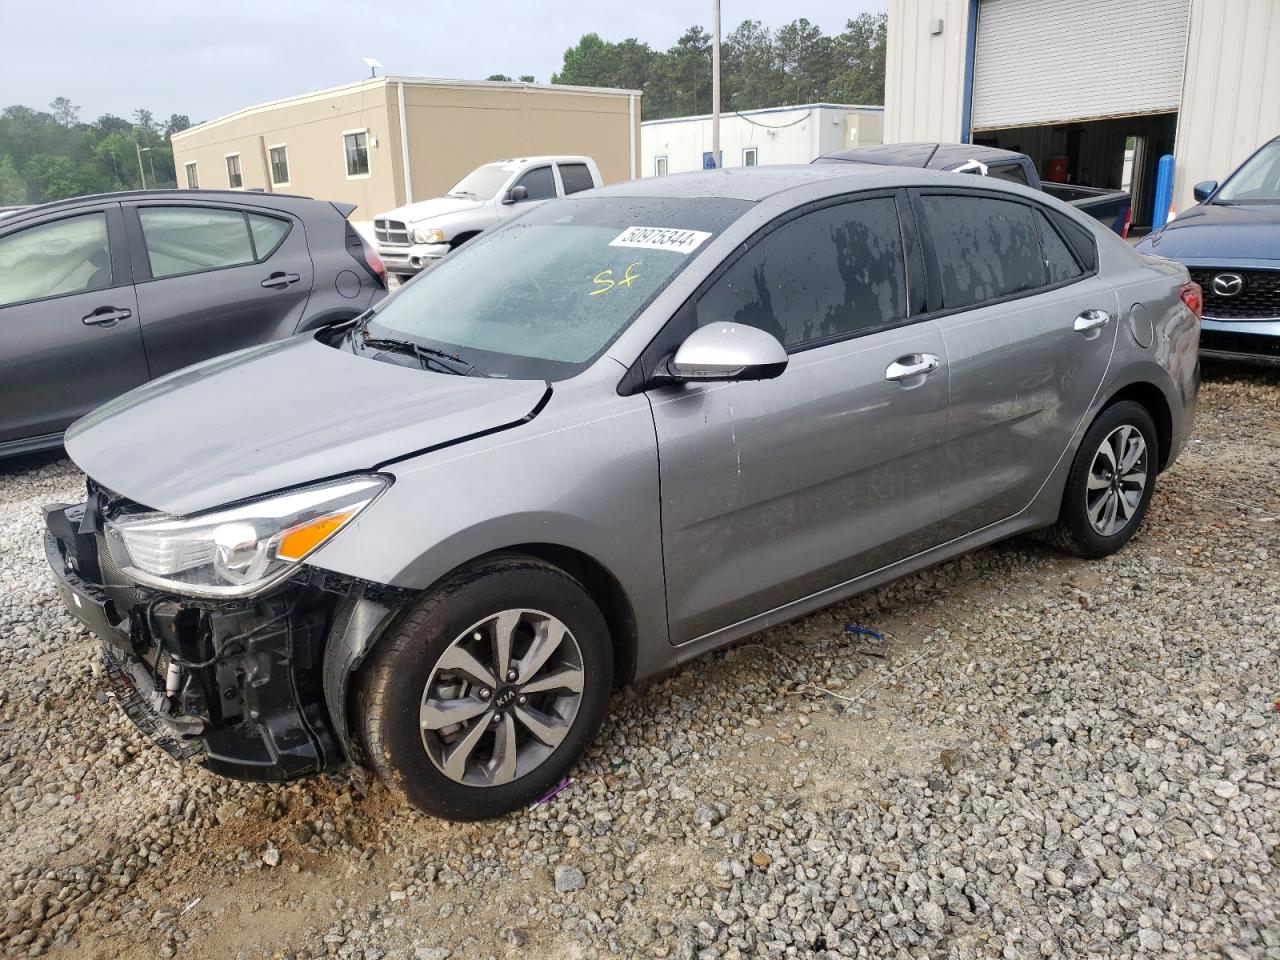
(1038, 757)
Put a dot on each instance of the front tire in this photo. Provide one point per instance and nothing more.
(488, 691)
(1111, 482)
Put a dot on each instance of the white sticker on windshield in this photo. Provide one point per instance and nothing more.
(660, 238)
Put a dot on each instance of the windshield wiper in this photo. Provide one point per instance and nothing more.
(426, 356)
(462, 193)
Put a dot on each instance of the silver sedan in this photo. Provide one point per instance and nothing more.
(625, 429)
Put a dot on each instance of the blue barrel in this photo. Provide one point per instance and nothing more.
(1164, 191)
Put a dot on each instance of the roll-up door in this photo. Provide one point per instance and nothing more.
(1049, 61)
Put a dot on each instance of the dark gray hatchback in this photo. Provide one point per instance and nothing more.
(101, 294)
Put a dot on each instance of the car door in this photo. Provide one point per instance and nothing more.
(540, 182)
(212, 278)
(774, 490)
(1029, 329)
(69, 335)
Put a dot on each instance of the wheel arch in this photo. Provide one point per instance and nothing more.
(463, 237)
(1153, 399)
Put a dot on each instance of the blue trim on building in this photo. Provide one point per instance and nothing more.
(970, 52)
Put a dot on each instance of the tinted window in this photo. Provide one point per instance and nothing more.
(824, 275)
(575, 177)
(1080, 239)
(540, 184)
(192, 239)
(233, 171)
(267, 233)
(54, 259)
(279, 165)
(1011, 172)
(985, 249)
(1059, 261)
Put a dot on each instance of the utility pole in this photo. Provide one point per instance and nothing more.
(715, 83)
(142, 173)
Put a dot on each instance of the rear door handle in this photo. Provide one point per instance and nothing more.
(1091, 320)
(912, 365)
(106, 316)
(281, 280)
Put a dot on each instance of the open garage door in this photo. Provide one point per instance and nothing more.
(1052, 61)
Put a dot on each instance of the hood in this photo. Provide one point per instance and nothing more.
(429, 209)
(280, 415)
(1219, 232)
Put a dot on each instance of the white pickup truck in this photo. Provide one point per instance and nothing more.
(413, 237)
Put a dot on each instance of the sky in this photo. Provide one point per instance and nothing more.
(208, 59)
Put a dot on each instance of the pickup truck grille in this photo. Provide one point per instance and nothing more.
(1258, 299)
(392, 232)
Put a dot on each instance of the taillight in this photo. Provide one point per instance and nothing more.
(379, 269)
(1128, 219)
(1193, 297)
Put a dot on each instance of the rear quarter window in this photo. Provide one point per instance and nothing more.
(575, 177)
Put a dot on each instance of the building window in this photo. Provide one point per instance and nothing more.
(749, 156)
(356, 144)
(193, 181)
(279, 157)
(659, 166)
(234, 180)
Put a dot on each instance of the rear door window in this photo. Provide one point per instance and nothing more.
(823, 276)
(984, 248)
(55, 259)
(182, 240)
(540, 183)
(575, 177)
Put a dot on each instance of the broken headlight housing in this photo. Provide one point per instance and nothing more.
(236, 551)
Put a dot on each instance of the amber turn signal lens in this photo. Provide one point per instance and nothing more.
(302, 539)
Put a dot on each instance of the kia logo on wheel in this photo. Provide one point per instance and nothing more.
(1228, 284)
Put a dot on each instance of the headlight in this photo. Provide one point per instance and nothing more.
(238, 551)
(428, 235)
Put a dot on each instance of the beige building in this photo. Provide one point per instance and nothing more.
(1094, 90)
(387, 141)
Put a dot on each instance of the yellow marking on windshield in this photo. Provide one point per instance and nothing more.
(604, 279)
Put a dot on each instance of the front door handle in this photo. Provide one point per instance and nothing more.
(106, 316)
(1091, 320)
(281, 280)
(912, 365)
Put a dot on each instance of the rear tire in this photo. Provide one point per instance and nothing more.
(521, 730)
(1110, 484)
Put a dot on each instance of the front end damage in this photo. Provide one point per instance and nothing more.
(255, 688)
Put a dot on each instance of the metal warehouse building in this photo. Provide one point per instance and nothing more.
(750, 137)
(387, 141)
(1094, 90)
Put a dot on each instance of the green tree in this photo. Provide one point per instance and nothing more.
(499, 76)
(749, 68)
(804, 54)
(13, 189)
(680, 79)
(858, 67)
(65, 112)
(527, 78)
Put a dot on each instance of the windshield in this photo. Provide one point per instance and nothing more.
(542, 297)
(483, 182)
(1257, 180)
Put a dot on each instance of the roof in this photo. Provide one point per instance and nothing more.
(240, 196)
(935, 156)
(372, 83)
(879, 108)
(756, 183)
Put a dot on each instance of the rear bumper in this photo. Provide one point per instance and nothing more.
(413, 258)
(234, 685)
(1255, 341)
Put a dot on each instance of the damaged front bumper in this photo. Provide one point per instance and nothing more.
(255, 689)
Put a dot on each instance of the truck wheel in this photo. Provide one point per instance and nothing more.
(488, 691)
(1110, 484)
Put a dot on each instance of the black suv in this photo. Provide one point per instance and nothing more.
(100, 294)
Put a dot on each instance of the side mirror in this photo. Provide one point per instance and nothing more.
(1203, 190)
(728, 351)
(516, 194)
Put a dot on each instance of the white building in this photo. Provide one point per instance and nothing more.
(750, 137)
(1074, 83)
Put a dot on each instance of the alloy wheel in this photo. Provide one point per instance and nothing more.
(1117, 480)
(501, 698)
